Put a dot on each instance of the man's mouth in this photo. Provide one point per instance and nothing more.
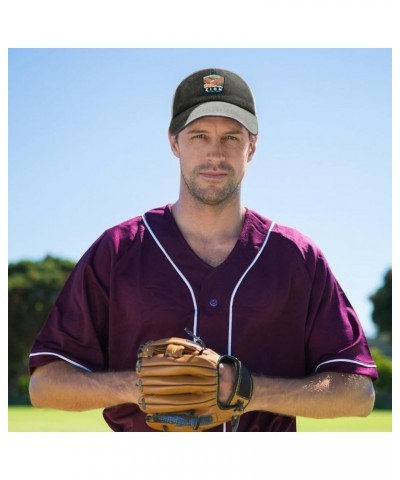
(213, 175)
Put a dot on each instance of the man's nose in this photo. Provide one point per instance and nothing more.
(215, 150)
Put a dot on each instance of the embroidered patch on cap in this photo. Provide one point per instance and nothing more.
(213, 84)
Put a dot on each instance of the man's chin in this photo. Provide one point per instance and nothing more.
(213, 199)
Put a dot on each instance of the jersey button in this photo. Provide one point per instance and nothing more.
(213, 302)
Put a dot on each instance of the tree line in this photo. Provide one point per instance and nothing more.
(33, 287)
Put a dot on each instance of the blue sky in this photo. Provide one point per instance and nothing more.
(88, 148)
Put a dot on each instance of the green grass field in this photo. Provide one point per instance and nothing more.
(29, 419)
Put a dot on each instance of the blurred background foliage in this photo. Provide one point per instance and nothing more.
(32, 290)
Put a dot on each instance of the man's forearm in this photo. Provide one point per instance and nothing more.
(62, 386)
(325, 395)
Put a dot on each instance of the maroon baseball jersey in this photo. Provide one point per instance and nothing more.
(273, 303)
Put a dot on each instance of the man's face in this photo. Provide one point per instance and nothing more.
(214, 153)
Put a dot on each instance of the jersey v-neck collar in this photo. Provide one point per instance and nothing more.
(187, 249)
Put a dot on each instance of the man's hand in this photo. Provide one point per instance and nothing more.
(227, 376)
(188, 387)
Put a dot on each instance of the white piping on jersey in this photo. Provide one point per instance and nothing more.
(238, 284)
(366, 365)
(62, 357)
(191, 289)
(179, 273)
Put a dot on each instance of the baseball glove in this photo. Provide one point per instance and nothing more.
(179, 383)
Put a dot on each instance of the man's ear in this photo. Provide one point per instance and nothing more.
(173, 141)
(252, 147)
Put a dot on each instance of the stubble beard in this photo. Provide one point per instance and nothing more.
(211, 195)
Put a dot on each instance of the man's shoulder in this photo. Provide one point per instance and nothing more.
(286, 236)
(129, 228)
(129, 231)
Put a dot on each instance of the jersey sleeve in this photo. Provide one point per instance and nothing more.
(76, 328)
(335, 340)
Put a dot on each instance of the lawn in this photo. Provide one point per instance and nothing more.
(29, 419)
(378, 421)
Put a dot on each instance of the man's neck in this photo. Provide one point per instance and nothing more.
(209, 221)
(211, 231)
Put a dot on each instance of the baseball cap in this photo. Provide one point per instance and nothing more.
(213, 92)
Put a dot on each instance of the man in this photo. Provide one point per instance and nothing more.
(246, 285)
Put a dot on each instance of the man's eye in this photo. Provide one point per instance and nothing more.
(231, 137)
